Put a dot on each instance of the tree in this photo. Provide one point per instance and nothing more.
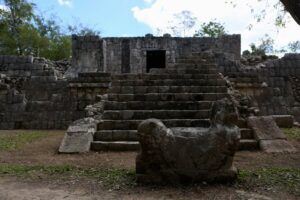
(13, 21)
(24, 33)
(265, 46)
(82, 30)
(281, 6)
(183, 22)
(211, 29)
(294, 47)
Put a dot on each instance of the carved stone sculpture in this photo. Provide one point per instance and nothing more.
(179, 155)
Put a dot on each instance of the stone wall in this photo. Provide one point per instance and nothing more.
(128, 55)
(273, 85)
(87, 55)
(34, 94)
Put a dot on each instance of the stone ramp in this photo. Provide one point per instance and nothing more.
(269, 136)
(79, 136)
(181, 96)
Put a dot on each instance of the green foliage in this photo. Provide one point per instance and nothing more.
(275, 177)
(110, 177)
(211, 29)
(292, 133)
(265, 46)
(294, 47)
(14, 141)
(82, 30)
(15, 20)
(21, 170)
(24, 33)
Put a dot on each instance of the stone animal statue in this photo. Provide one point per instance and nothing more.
(179, 155)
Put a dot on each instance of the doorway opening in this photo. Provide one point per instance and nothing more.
(156, 59)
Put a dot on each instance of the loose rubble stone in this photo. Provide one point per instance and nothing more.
(284, 121)
(271, 138)
(79, 136)
(265, 128)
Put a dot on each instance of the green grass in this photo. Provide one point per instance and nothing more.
(110, 177)
(292, 133)
(282, 178)
(269, 177)
(10, 142)
(22, 170)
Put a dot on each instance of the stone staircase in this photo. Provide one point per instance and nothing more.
(180, 96)
(247, 142)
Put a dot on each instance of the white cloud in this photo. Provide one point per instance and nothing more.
(159, 13)
(148, 1)
(3, 7)
(65, 3)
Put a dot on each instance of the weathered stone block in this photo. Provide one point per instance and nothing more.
(284, 121)
(265, 128)
(79, 136)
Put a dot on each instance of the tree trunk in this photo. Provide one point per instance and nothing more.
(293, 7)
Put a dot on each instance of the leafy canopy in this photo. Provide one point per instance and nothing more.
(22, 32)
(211, 29)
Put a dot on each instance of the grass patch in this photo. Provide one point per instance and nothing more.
(278, 177)
(292, 133)
(10, 142)
(109, 177)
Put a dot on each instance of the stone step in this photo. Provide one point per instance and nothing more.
(245, 145)
(248, 144)
(167, 97)
(170, 82)
(92, 79)
(183, 71)
(241, 123)
(93, 74)
(202, 55)
(246, 133)
(108, 140)
(203, 61)
(196, 55)
(115, 146)
(133, 124)
(166, 89)
(163, 76)
(193, 65)
(116, 135)
(157, 105)
(131, 135)
(89, 85)
(159, 114)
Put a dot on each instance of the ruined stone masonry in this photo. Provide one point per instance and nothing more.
(173, 79)
(35, 95)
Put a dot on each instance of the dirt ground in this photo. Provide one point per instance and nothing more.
(44, 152)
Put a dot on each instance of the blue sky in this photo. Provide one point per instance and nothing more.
(111, 17)
(138, 17)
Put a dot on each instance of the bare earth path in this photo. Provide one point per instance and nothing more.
(43, 152)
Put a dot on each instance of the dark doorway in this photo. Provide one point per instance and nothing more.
(156, 59)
